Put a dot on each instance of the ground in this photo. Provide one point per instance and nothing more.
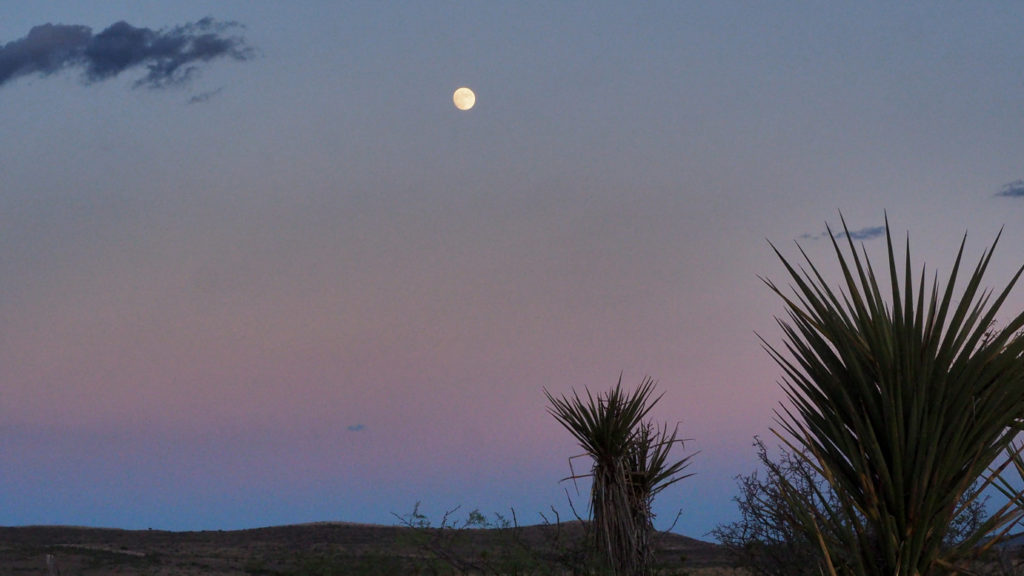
(317, 549)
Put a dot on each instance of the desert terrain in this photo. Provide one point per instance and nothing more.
(319, 549)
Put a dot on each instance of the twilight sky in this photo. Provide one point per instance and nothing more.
(257, 269)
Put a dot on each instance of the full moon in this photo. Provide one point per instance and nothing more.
(464, 98)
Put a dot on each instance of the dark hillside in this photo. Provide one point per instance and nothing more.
(320, 548)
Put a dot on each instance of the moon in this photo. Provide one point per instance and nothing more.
(464, 98)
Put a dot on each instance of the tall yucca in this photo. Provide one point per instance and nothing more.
(903, 404)
(630, 466)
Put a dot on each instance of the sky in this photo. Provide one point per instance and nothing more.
(257, 269)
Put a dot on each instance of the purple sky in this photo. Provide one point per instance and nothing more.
(296, 284)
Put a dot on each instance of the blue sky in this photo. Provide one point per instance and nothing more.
(297, 284)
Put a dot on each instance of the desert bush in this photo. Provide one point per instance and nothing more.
(766, 541)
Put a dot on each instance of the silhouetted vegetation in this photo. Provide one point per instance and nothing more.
(901, 406)
(498, 546)
(630, 466)
(767, 540)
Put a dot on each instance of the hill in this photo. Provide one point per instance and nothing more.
(317, 549)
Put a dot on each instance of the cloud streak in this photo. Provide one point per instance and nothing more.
(1014, 189)
(205, 96)
(169, 56)
(866, 233)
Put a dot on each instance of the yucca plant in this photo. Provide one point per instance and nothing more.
(902, 405)
(630, 466)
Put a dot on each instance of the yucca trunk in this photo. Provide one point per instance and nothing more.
(616, 530)
(902, 406)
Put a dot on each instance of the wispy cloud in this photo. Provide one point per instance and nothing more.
(867, 233)
(1014, 189)
(204, 96)
(356, 428)
(864, 233)
(170, 56)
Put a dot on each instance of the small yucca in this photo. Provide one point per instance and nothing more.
(630, 466)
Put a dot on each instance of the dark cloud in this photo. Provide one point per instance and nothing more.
(170, 56)
(862, 234)
(45, 50)
(356, 428)
(1014, 189)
